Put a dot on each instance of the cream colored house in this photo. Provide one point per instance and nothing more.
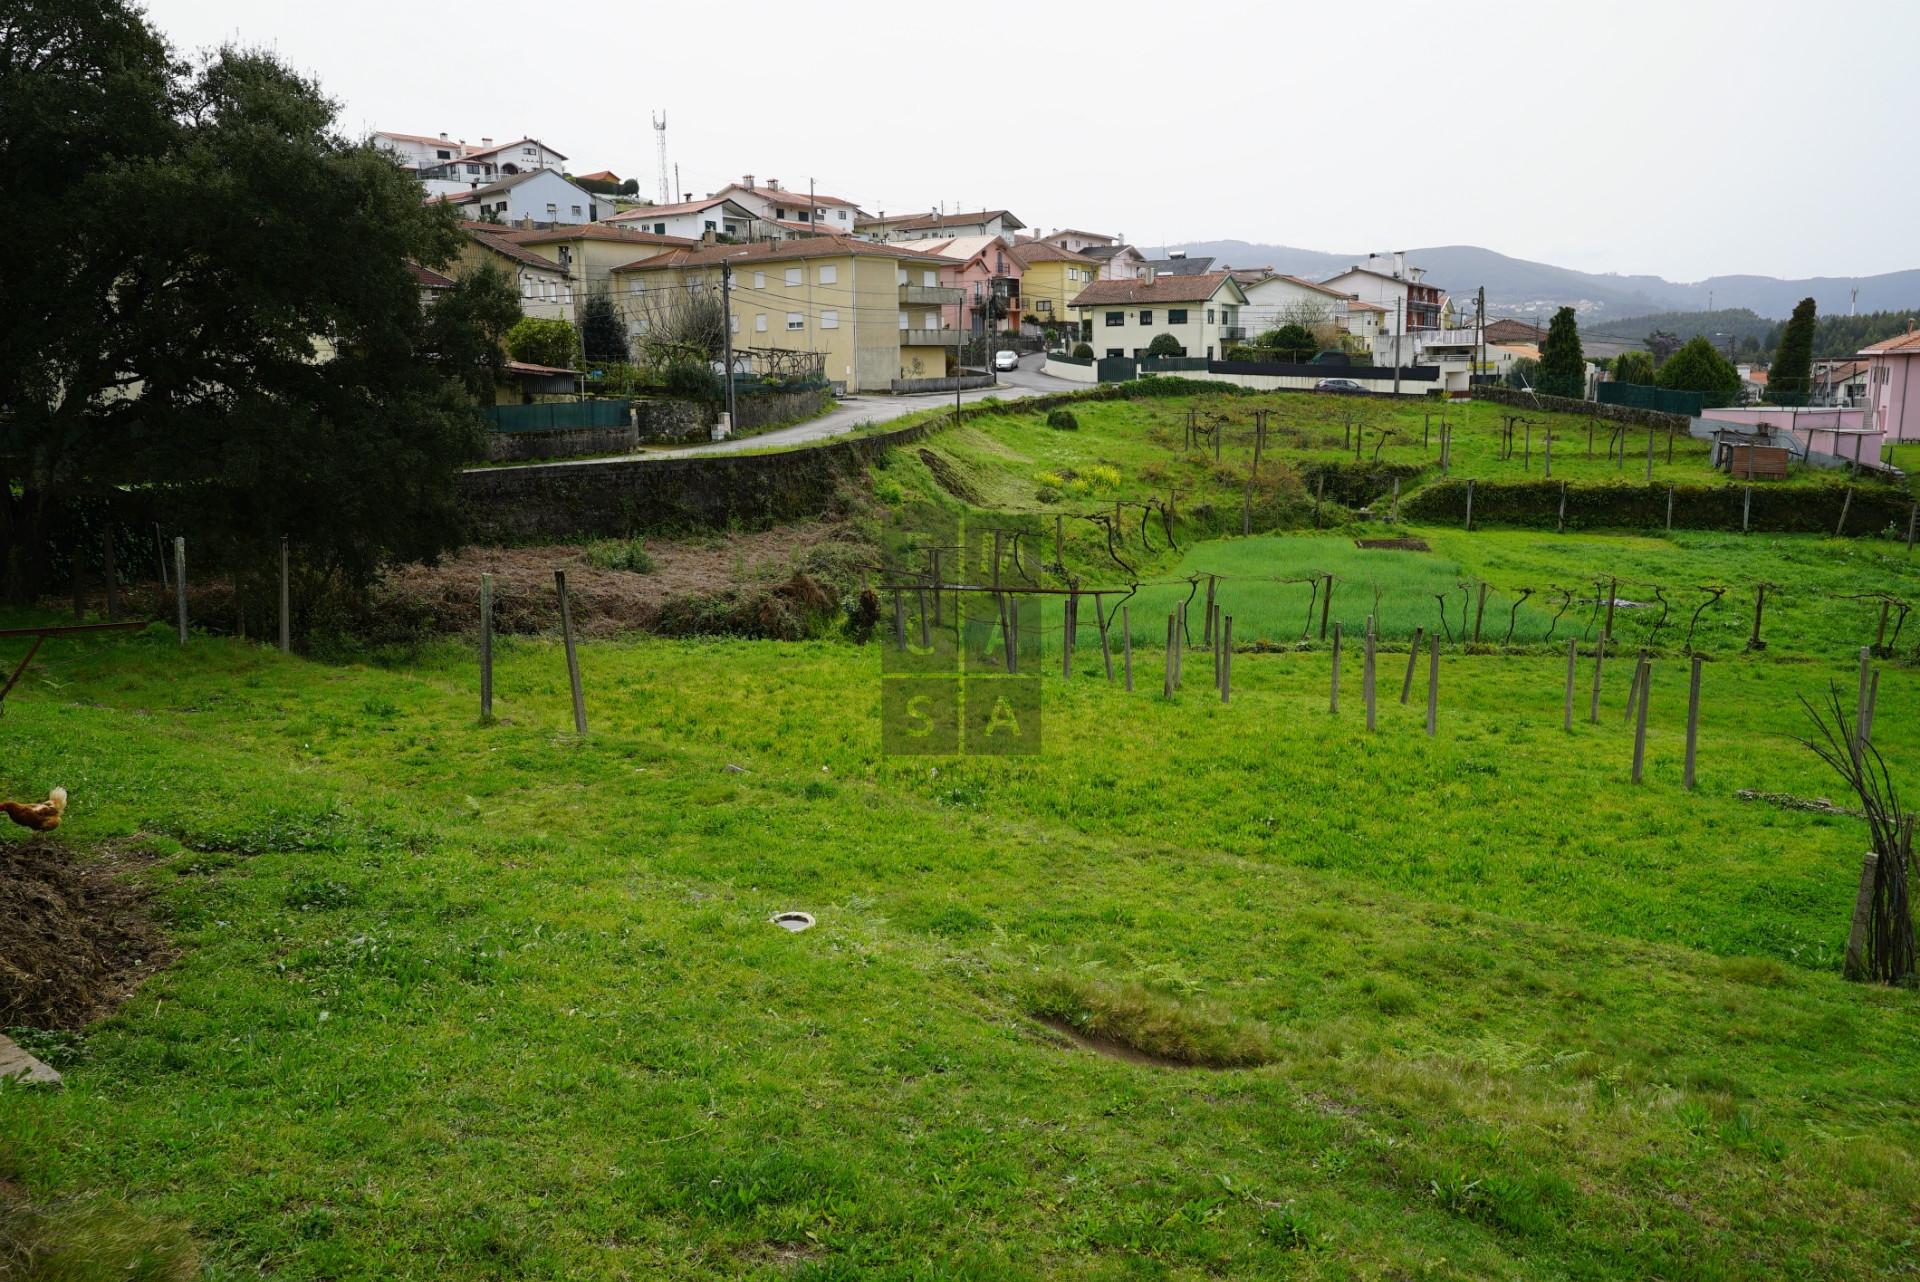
(545, 287)
(1202, 312)
(589, 253)
(874, 313)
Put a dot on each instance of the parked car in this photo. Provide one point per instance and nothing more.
(1004, 360)
(1338, 385)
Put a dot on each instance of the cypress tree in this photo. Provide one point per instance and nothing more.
(1791, 378)
(1563, 368)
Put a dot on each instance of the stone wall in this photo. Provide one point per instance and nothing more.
(1565, 405)
(956, 384)
(618, 498)
(508, 447)
(672, 420)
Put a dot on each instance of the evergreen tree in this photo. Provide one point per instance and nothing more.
(1791, 379)
(1633, 367)
(602, 336)
(1164, 345)
(1563, 369)
(1294, 341)
(1699, 367)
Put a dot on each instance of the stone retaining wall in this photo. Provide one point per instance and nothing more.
(575, 442)
(672, 420)
(1566, 405)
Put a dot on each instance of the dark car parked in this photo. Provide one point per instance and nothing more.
(1338, 385)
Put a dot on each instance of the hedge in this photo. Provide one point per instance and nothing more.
(1536, 505)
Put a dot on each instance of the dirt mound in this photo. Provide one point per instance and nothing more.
(949, 478)
(75, 938)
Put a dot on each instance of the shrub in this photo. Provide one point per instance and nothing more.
(1699, 367)
(1104, 477)
(542, 342)
(617, 554)
(1063, 421)
(1083, 351)
(1165, 345)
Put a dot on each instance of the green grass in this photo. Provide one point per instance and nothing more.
(492, 1001)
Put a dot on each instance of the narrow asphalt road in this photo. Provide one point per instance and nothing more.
(853, 412)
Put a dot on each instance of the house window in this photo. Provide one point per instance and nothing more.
(443, 155)
(1146, 317)
(841, 214)
(930, 278)
(526, 288)
(930, 321)
(660, 229)
(1045, 305)
(796, 321)
(1117, 351)
(829, 320)
(903, 320)
(473, 169)
(1176, 316)
(903, 275)
(526, 151)
(634, 286)
(793, 275)
(1116, 319)
(1209, 315)
(827, 275)
(802, 216)
(710, 225)
(576, 211)
(760, 323)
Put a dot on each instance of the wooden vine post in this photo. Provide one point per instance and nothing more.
(1413, 658)
(1693, 721)
(573, 655)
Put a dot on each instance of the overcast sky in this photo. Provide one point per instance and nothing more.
(1679, 138)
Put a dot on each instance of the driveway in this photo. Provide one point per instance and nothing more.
(857, 411)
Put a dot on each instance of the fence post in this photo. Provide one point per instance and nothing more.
(1366, 676)
(1856, 964)
(1166, 684)
(1669, 508)
(1913, 518)
(1479, 612)
(1326, 604)
(1599, 661)
(573, 657)
(1845, 503)
(1333, 701)
(900, 621)
(1106, 646)
(1433, 688)
(1613, 594)
(1413, 657)
(1640, 725)
(1226, 660)
(1759, 605)
(1393, 513)
(1693, 719)
(1208, 638)
(1126, 644)
(1746, 510)
(486, 647)
(1560, 526)
(180, 582)
(1469, 504)
(1573, 658)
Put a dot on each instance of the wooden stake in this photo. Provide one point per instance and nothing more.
(486, 647)
(1326, 604)
(1469, 504)
(180, 583)
(1860, 703)
(1873, 698)
(286, 610)
(1613, 594)
(1166, 685)
(573, 657)
(1746, 510)
(1366, 676)
(1759, 605)
(1634, 691)
(900, 621)
(1226, 662)
(1433, 689)
(1180, 646)
(1845, 503)
(1413, 657)
(1106, 647)
(1599, 662)
(1669, 507)
(1478, 613)
(1208, 638)
(1640, 724)
(1573, 657)
(1913, 520)
(1856, 965)
(1560, 526)
(1126, 644)
(1693, 720)
(1333, 703)
(1066, 636)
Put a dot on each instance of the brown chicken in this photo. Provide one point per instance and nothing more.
(43, 816)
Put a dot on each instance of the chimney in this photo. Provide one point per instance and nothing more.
(1176, 253)
(746, 180)
(707, 237)
(1399, 264)
(443, 135)
(773, 184)
(486, 142)
(686, 197)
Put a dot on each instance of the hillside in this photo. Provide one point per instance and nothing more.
(1517, 286)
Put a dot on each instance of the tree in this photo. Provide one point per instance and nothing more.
(1699, 367)
(1083, 351)
(1524, 373)
(1165, 345)
(1633, 367)
(212, 316)
(1563, 368)
(1293, 341)
(542, 341)
(1662, 343)
(468, 326)
(602, 335)
(1790, 381)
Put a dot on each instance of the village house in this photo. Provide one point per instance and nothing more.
(1402, 292)
(447, 167)
(720, 215)
(874, 313)
(545, 287)
(781, 214)
(1114, 262)
(1892, 397)
(1123, 317)
(939, 226)
(1050, 277)
(1841, 383)
(1079, 242)
(589, 253)
(542, 196)
(986, 274)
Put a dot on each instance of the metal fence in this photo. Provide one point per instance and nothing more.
(1641, 397)
(556, 416)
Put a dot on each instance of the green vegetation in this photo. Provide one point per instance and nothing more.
(630, 555)
(1294, 342)
(1563, 369)
(1699, 367)
(1790, 379)
(1165, 345)
(509, 1002)
(1633, 367)
(603, 334)
(1063, 421)
(543, 341)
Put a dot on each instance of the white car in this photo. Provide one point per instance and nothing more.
(1004, 360)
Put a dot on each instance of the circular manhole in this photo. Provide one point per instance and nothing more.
(795, 922)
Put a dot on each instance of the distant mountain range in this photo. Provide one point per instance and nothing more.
(1518, 287)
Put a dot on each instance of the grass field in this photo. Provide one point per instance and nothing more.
(489, 1001)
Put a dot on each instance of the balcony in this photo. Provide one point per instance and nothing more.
(930, 296)
(932, 337)
(1233, 333)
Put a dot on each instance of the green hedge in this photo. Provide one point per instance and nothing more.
(1358, 484)
(1536, 505)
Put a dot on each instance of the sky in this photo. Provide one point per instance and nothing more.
(1684, 139)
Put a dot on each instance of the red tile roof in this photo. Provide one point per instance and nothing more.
(1164, 289)
(921, 222)
(488, 236)
(788, 195)
(778, 250)
(601, 176)
(591, 231)
(1040, 251)
(1907, 344)
(430, 279)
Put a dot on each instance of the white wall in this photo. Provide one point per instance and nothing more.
(1196, 334)
(529, 199)
(1069, 371)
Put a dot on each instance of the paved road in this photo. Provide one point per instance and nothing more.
(857, 411)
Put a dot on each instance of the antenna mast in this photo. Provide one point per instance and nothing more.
(660, 139)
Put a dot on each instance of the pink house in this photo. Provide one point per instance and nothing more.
(1893, 397)
(987, 270)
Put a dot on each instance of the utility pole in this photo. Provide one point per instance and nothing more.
(726, 336)
(1479, 337)
(1396, 344)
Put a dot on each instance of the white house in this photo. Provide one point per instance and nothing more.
(1274, 300)
(447, 166)
(1081, 242)
(690, 218)
(542, 197)
(938, 226)
(1117, 262)
(782, 214)
(1202, 311)
(1402, 292)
